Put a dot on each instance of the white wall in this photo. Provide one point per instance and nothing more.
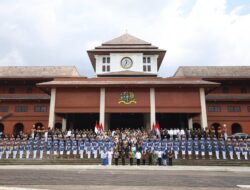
(115, 62)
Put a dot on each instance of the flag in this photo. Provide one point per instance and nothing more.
(101, 128)
(157, 129)
(97, 127)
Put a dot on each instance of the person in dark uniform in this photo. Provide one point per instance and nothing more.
(116, 157)
(131, 157)
(150, 157)
(170, 158)
(123, 156)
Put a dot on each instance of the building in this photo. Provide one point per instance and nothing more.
(127, 92)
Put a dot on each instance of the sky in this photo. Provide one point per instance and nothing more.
(59, 32)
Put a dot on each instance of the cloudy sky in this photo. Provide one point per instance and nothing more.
(58, 32)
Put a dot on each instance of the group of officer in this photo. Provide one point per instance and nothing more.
(56, 147)
(70, 146)
(217, 147)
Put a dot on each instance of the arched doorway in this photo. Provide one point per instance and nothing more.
(58, 126)
(216, 127)
(1, 128)
(236, 128)
(196, 126)
(19, 127)
(40, 125)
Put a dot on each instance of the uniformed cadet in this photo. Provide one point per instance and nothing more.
(68, 147)
(41, 148)
(27, 149)
(74, 148)
(190, 148)
(7, 150)
(94, 149)
(217, 151)
(1, 150)
(35, 147)
(223, 149)
(48, 148)
(183, 148)
(21, 149)
(237, 150)
(230, 149)
(88, 149)
(61, 144)
(210, 150)
(176, 148)
(55, 147)
(245, 151)
(81, 149)
(15, 149)
(203, 150)
(196, 149)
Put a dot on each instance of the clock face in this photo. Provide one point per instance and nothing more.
(126, 63)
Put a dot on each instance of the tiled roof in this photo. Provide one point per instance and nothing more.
(38, 71)
(214, 71)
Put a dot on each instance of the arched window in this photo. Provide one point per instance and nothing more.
(196, 126)
(216, 127)
(58, 126)
(236, 128)
(19, 127)
(38, 125)
(1, 127)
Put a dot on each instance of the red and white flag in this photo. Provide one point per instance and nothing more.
(156, 128)
(97, 127)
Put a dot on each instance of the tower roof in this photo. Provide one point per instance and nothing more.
(126, 39)
(126, 43)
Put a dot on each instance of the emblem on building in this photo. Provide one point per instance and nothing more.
(127, 98)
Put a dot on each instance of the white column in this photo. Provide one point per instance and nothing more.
(52, 108)
(64, 124)
(152, 107)
(102, 107)
(203, 108)
(190, 123)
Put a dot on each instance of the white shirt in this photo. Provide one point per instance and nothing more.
(138, 155)
(110, 154)
(159, 154)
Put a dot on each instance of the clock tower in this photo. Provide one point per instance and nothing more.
(126, 56)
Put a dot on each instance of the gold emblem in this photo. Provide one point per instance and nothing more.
(127, 98)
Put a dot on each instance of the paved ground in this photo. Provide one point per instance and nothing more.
(119, 178)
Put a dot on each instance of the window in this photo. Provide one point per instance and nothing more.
(146, 64)
(21, 108)
(11, 90)
(29, 89)
(4, 108)
(214, 109)
(225, 89)
(105, 64)
(40, 108)
(243, 89)
(248, 108)
(233, 108)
